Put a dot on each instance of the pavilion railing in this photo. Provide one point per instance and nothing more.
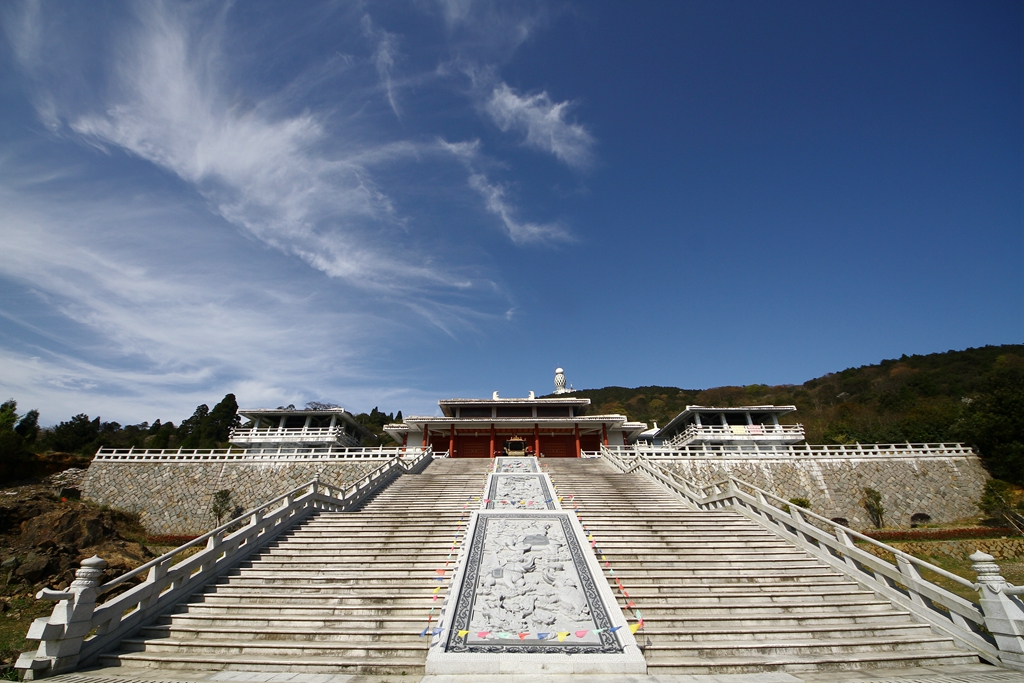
(993, 628)
(79, 630)
(793, 432)
(257, 454)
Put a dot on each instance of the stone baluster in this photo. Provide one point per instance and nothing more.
(61, 634)
(1003, 610)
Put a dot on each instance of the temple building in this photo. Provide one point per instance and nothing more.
(480, 428)
(297, 428)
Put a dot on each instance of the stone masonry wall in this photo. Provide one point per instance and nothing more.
(946, 488)
(177, 498)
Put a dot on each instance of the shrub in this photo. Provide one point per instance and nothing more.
(919, 518)
(801, 503)
(872, 502)
(997, 502)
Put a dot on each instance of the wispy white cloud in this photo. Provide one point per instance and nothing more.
(138, 337)
(521, 232)
(544, 124)
(270, 174)
(384, 55)
(496, 201)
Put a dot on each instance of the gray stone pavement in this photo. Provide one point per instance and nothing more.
(975, 673)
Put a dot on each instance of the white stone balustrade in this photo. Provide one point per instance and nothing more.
(281, 454)
(1004, 612)
(993, 628)
(752, 433)
(64, 637)
(907, 450)
(286, 435)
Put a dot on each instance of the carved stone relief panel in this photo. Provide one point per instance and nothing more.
(528, 588)
(519, 492)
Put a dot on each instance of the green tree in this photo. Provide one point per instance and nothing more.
(221, 504)
(16, 433)
(993, 422)
(210, 428)
(75, 435)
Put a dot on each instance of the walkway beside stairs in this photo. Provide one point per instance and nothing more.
(343, 597)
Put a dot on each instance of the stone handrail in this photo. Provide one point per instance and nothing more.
(905, 450)
(256, 454)
(78, 630)
(994, 628)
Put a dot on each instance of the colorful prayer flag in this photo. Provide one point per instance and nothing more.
(463, 632)
(581, 634)
(562, 635)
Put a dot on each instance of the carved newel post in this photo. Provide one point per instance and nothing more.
(61, 634)
(1004, 612)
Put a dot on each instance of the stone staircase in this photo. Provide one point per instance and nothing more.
(341, 593)
(719, 594)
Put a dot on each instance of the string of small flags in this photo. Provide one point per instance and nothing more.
(630, 603)
(442, 572)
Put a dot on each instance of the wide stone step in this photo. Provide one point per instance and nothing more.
(323, 582)
(703, 601)
(352, 636)
(662, 663)
(323, 591)
(728, 590)
(740, 622)
(393, 620)
(376, 563)
(754, 574)
(337, 607)
(172, 661)
(747, 648)
(667, 632)
(271, 648)
(685, 609)
(313, 606)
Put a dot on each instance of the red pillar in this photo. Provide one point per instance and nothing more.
(604, 433)
(536, 439)
(579, 451)
(426, 435)
(491, 452)
(451, 442)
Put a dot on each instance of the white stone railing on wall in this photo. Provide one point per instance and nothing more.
(78, 630)
(751, 432)
(874, 450)
(256, 454)
(290, 435)
(994, 627)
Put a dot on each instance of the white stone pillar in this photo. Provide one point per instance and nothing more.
(61, 634)
(1003, 610)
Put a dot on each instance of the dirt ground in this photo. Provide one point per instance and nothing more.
(45, 533)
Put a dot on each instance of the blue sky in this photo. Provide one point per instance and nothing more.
(390, 203)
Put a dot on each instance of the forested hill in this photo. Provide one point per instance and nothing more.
(912, 398)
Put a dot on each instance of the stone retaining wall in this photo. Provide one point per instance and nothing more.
(177, 498)
(945, 488)
(999, 548)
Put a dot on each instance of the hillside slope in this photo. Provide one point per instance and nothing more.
(912, 398)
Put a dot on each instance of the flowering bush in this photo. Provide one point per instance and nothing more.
(941, 534)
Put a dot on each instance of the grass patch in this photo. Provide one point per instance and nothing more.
(13, 627)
